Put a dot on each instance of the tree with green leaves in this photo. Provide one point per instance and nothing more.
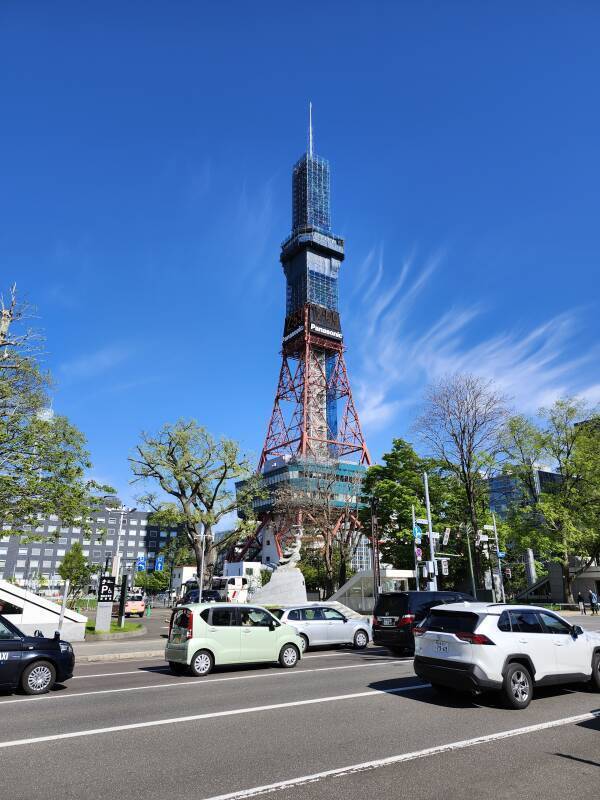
(76, 568)
(153, 582)
(561, 523)
(43, 457)
(194, 478)
(396, 485)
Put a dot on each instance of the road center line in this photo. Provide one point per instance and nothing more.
(398, 759)
(195, 682)
(211, 715)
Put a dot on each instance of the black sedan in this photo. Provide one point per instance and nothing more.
(32, 663)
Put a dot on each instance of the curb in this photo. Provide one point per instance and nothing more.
(82, 659)
(108, 637)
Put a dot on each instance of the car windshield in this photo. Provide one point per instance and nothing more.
(392, 605)
(450, 622)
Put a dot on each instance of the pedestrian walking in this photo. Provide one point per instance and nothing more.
(593, 598)
(581, 603)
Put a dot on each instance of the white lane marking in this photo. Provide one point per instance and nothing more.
(151, 670)
(194, 682)
(211, 715)
(166, 670)
(398, 759)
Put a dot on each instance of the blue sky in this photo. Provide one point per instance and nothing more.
(145, 189)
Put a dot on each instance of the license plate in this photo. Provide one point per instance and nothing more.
(387, 621)
(441, 647)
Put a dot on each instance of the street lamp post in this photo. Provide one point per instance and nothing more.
(117, 559)
(433, 583)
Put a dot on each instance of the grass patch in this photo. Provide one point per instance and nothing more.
(115, 628)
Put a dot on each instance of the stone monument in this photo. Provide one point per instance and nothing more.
(287, 582)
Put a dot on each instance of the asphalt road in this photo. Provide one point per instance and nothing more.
(318, 731)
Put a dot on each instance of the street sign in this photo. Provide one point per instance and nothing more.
(508, 572)
(488, 527)
(159, 564)
(445, 569)
(418, 553)
(417, 532)
(106, 589)
(140, 564)
(422, 521)
(484, 537)
(446, 538)
(501, 554)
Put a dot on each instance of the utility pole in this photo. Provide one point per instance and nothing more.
(414, 525)
(200, 577)
(473, 586)
(375, 549)
(500, 576)
(430, 532)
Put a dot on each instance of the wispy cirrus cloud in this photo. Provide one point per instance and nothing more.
(399, 355)
(90, 365)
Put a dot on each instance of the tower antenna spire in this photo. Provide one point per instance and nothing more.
(310, 132)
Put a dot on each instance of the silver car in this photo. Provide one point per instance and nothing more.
(320, 625)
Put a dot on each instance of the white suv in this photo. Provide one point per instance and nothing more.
(491, 646)
(319, 624)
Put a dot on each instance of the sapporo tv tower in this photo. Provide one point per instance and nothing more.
(314, 430)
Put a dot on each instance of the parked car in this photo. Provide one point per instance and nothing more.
(32, 663)
(396, 613)
(320, 624)
(476, 647)
(208, 634)
(191, 596)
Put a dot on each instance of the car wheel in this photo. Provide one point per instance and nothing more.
(177, 668)
(289, 655)
(141, 614)
(595, 678)
(304, 642)
(38, 678)
(518, 686)
(202, 663)
(361, 640)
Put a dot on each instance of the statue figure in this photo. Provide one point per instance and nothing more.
(291, 556)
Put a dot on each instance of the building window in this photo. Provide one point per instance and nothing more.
(60, 552)
(22, 551)
(112, 521)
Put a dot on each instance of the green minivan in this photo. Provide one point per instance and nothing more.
(202, 635)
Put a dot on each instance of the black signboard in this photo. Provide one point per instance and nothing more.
(106, 589)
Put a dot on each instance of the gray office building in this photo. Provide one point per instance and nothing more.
(111, 529)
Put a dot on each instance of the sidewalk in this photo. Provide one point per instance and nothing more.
(86, 652)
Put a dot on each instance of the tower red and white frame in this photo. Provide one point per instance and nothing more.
(313, 380)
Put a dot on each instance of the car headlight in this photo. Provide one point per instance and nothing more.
(65, 647)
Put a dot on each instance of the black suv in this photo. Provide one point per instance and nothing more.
(32, 663)
(396, 614)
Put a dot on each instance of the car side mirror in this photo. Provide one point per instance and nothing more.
(272, 625)
(345, 619)
(38, 633)
(576, 631)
